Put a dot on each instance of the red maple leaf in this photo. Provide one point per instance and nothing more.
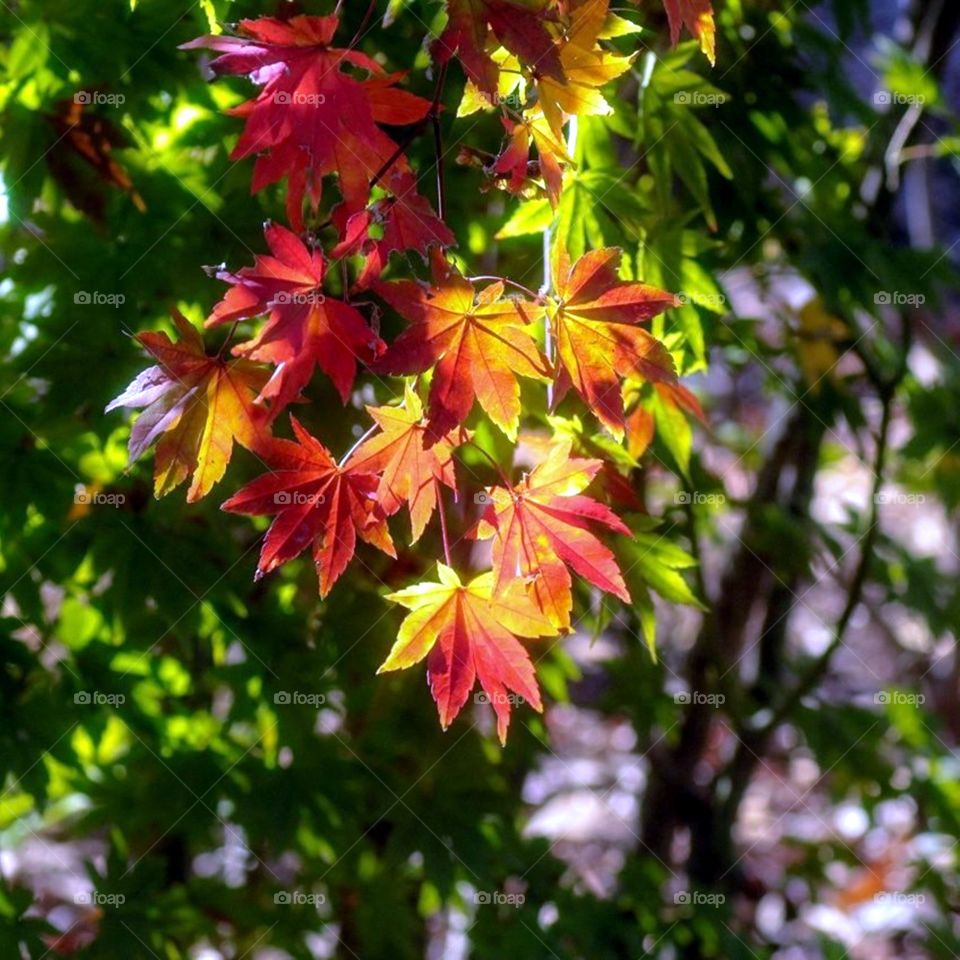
(519, 25)
(311, 117)
(541, 530)
(318, 505)
(697, 17)
(305, 329)
(403, 220)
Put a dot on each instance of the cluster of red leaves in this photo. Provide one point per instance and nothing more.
(319, 115)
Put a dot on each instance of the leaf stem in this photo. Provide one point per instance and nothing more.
(496, 466)
(369, 432)
(509, 282)
(443, 522)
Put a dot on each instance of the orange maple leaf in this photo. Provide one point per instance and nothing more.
(409, 469)
(541, 530)
(317, 503)
(195, 406)
(478, 343)
(469, 632)
(586, 68)
(594, 321)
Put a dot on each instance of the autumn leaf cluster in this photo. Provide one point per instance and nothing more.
(325, 121)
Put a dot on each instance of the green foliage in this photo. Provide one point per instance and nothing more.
(156, 699)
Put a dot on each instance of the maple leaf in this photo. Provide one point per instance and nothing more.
(519, 25)
(311, 117)
(317, 504)
(541, 530)
(195, 407)
(641, 423)
(404, 221)
(305, 328)
(513, 162)
(586, 68)
(409, 469)
(697, 16)
(478, 343)
(468, 633)
(594, 321)
(85, 136)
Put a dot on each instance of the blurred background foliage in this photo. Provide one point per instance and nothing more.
(197, 765)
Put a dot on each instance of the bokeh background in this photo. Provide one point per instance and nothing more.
(194, 765)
